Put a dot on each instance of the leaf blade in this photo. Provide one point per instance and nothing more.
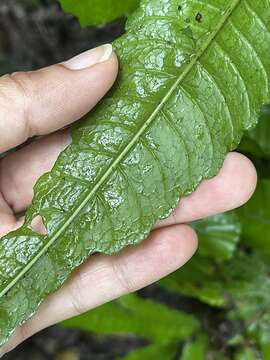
(96, 12)
(134, 156)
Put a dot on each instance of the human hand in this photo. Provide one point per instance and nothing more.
(42, 102)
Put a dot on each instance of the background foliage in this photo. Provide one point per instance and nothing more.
(217, 306)
(96, 12)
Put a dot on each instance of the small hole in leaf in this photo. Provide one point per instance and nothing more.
(38, 226)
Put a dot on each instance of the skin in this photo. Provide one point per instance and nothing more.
(41, 103)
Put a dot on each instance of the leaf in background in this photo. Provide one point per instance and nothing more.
(96, 12)
(259, 328)
(241, 286)
(250, 147)
(256, 141)
(156, 351)
(250, 289)
(265, 349)
(142, 317)
(183, 99)
(199, 279)
(247, 354)
(218, 236)
(261, 134)
(248, 286)
(255, 217)
(195, 350)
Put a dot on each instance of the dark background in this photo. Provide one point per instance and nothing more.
(33, 36)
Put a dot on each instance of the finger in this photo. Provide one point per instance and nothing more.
(40, 102)
(20, 170)
(103, 278)
(230, 189)
(8, 220)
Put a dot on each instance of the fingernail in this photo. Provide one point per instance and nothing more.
(89, 58)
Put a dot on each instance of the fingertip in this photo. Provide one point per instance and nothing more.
(92, 84)
(238, 177)
(184, 243)
(112, 66)
(230, 189)
(172, 247)
(105, 73)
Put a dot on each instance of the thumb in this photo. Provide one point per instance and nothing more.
(43, 101)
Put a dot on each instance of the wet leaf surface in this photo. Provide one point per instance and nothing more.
(183, 99)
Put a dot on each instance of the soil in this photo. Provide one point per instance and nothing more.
(33, 37)
(57, 343)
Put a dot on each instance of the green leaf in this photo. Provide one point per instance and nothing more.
(218, 236)
(199, 279)
(258, 326)
(250, 147)
(196, 349)
(261, 134)
(246, 354)
(241, 286)
(256, 141)
(95, 12)
(248, 286)
(183, 99)
(255, 217)
(265, 348)
(156, 351)
(137, 316)
(250, 289)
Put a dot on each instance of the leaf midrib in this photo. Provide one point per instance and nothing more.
(227, 13)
